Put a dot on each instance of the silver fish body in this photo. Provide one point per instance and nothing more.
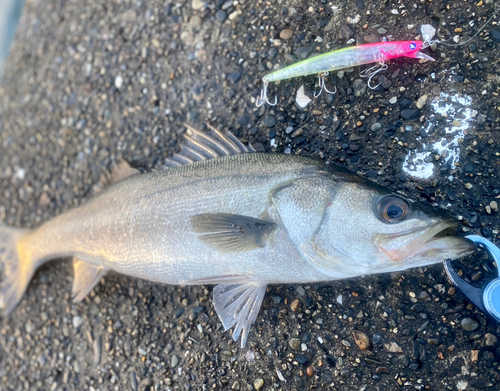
(238, 220)
(141, 226)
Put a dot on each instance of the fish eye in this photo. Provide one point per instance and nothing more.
(393, 209)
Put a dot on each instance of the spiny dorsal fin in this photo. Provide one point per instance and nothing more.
(118, 171)
(204, 146)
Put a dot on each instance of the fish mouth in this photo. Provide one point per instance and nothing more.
(427, 245)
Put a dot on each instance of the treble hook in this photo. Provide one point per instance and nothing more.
(322, 85)
(262, 99)
(370, 72)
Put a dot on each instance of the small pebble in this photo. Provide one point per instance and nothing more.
(371, 38)
(118, 82)
(294, 344)
(303, 52)
(77, 321)
(174, 361)
(345, 32)
(469, 324)
(235, 76)
(410, 114)
(29, 327)
(221, 15)
(393, 100)
(195, 23)
(433, 341)
(421, 101)
(258, 384)
(490, 340)
(393, 347)
(286, 34)
(277, 299)
(376, 127)
(133, 381)
(361, 339)
(300, 290)
(360, 4)
(234, 15)
(169, 348)
(495, 35)
(269, 121)
(295, 305)
(197, 4)
(494, 206)
(301, 98)
(310, 371)
(359, 87)
(474, 356)
(250, 356)
(380, 370)
(417, 307)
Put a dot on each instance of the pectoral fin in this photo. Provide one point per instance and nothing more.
(229, 232)
(238, 304)
(87, 276)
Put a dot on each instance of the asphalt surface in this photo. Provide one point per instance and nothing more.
(90, 82)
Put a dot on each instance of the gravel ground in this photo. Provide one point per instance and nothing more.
(91, 81)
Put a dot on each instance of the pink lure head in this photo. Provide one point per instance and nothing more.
(408, 49)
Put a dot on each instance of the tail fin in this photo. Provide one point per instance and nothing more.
(17, 266)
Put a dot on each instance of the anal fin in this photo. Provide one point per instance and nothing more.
(86, 277)
(239, 304)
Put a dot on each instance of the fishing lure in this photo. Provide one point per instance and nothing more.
(345, 58)
(378, 52)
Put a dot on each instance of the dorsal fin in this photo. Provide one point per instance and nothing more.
(204, 146)
(118, 171)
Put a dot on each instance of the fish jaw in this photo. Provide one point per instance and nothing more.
(424, 246)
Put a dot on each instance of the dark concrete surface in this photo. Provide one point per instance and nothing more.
(88, 82)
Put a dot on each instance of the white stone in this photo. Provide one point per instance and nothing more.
(77, 321)
(302, 99)
(421, 101)
(118, 82)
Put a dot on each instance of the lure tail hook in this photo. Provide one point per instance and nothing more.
(372, 71)
(262, 99)
(322, 84)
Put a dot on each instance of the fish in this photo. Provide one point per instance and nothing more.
(221, 213)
